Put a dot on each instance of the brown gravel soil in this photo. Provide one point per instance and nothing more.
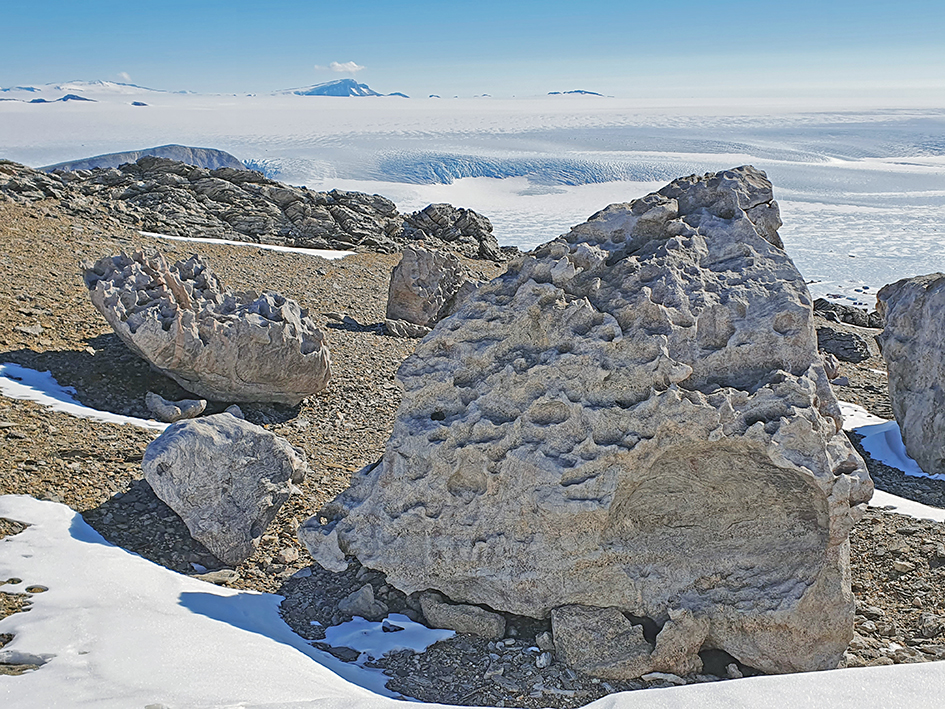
(48, 323)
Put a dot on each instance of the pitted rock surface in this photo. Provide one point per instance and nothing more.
(912, 345)
(219, 345)
(633, 416)
(425, 287)
(225, 477)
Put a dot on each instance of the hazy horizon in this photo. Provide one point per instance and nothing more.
(735, 49)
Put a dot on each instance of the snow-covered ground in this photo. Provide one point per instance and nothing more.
(114, 630)
(861, 187)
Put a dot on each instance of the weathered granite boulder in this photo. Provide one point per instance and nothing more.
(219, 345)
(634, 416)
(425, 286)
(913, 345)
(225, 477)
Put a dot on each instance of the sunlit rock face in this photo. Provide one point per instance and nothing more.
(633, 417)
(426, 286)
(226, 478)
(217, 344)
(912, 344)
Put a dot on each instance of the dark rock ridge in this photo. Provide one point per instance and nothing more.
(838, 312)
(210, 158)
(169, 197)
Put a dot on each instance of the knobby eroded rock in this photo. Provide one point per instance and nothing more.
(912, 345)
(226, 478)
(633, 417)
(426, 286)
(219, 345)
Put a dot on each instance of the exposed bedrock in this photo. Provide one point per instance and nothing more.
(913, 345)
(633, 417)
(219, 345)
(170, 197)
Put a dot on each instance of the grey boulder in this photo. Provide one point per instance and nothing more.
(461, 230)
(219, 345)
(634, 416)
(913, 345)
(425, 286)
(461, 617)
(226, 478)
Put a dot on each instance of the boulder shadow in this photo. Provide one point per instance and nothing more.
(107, 376)
(138, 521)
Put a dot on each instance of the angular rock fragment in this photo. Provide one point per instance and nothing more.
(912, 344)
(461, 617)
(226, 479)
(363, 604)
(219, 345)
(425, 287)
(845, 346)
(633, 417)
(171, 411)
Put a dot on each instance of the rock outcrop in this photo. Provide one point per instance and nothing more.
(170, 197)
(912, 345)
(845, 346)
(219, 345)
(463, 230)
(838, 312)
(425, 287)
(22, 185)
(634, 416)
(226, 478)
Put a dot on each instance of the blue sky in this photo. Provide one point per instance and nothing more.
(465, 48)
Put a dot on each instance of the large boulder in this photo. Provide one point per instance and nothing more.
(425, 286)
(219, 345)
(634, 416)
(913, 345)
(225, 477)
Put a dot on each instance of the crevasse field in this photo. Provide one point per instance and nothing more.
(862, 190)
(862, 194)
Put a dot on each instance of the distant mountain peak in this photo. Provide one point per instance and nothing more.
(338, 87)
(580, 92)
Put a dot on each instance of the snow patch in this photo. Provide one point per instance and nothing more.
(17, 382)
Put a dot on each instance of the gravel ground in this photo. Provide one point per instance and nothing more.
(898, 563)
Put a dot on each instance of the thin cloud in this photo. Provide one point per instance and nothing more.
(124, 76)
(341, 67)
